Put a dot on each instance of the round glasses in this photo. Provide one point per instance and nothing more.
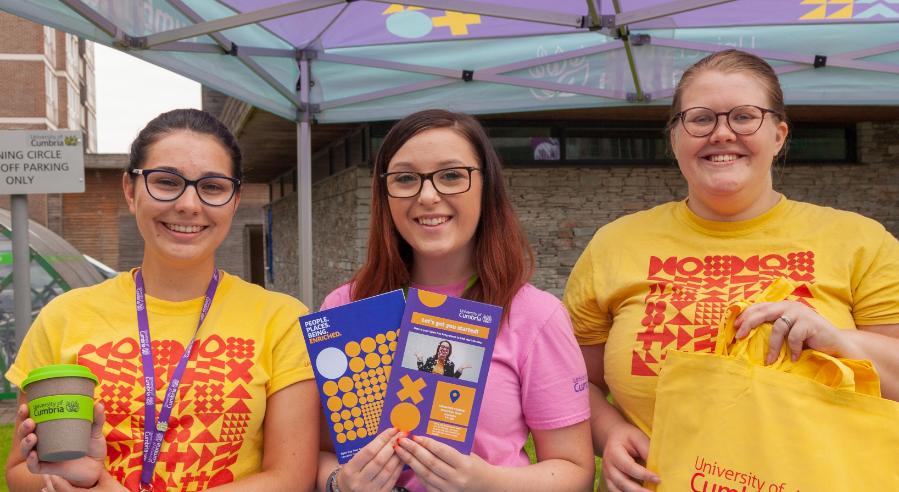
(449, 181)
(742, 120)
(167, 186)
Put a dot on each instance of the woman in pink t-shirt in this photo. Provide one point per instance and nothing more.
(441, 220)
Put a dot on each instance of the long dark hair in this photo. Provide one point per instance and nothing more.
(192, 120)
(437, 351)
(503, 259)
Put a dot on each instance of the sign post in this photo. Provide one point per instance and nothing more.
(35, 161)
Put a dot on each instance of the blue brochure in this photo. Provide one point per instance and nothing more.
(351, 348)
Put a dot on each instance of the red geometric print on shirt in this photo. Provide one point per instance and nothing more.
(687, 297)
(207, 426)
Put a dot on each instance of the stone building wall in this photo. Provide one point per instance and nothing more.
(560, 208)
(340, 207)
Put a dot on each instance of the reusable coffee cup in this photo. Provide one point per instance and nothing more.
(61, 403)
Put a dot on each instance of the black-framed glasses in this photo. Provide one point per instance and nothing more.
(742, 120)
(449, 181)
(167, 186)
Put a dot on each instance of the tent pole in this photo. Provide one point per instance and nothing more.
(93, 17)
(623, 32)
(594, 9)
(304, 187)
(21, 258)
(238, 20)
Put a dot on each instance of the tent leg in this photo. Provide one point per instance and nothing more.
(21, 271)
(624, 31)
(304, 190)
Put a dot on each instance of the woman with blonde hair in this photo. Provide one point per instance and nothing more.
(661, 278)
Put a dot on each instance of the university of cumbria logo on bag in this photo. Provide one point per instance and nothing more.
(712, 477)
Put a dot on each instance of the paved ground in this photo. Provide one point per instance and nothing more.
(7, 411)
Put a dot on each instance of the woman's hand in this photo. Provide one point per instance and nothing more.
(442, 468)
(625, 445)
(375, 467)
(418, 356)
(799, 324)
(82, 472)
(54, 483)
(462, 368)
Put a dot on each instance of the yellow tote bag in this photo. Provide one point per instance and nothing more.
(725, 422)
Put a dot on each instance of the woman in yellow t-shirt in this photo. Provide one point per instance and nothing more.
(660, 279)
(229, 375)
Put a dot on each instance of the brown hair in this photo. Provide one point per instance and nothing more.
(731, 61)
(193, 120)
(503, 259)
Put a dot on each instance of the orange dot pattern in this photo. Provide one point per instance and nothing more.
(355, 399)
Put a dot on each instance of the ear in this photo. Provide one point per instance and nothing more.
(236, 199)
(128, 190)
(780, 137)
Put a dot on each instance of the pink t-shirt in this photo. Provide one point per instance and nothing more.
(537, 377)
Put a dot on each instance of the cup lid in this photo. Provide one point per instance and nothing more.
(59, 371)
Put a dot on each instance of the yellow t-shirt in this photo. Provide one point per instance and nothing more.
(248, 348)
(661, 279)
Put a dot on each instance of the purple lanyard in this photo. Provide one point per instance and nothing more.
(154, 430)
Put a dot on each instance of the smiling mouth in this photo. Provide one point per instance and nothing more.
(722, 158)
(189, 229)
(431, 221)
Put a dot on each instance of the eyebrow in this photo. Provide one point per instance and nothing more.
(405, 165)
(208, 174)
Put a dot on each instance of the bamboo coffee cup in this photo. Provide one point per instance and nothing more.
(61, 403)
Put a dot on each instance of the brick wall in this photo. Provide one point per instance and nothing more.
(283, 273)
(232, 253)
(20, 36)
(561, 208)
(340, 208)
(37, 207)
(22, 86)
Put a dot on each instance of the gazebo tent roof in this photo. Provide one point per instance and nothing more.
(380, 60)
(364, 60)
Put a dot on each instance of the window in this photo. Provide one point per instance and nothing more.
(579, 143)
(525, 143)
(598, 143)
(74, 108)
(822, 143)
(616, 145)
(50, 44)
(51, 89)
